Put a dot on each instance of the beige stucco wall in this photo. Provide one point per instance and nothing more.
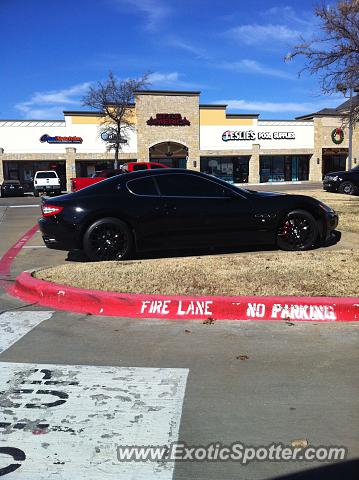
(150, 104)
(323, 127)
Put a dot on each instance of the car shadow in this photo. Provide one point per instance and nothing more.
(80, 256)
(342, 470)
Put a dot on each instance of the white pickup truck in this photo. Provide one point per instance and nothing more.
(46, 181)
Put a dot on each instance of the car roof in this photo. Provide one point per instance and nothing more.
(158, 171)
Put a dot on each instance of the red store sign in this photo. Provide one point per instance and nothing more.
(168, 119)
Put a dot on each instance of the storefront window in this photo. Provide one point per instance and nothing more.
(284, 168)
(24, 171)
(231, 169)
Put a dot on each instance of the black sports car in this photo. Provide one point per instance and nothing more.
(12, 188)
(175, 208)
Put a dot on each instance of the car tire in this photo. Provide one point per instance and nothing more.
(348, 188)
(297, 231)
(108, 239)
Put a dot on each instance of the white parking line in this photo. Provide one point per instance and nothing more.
(67, 421)
(34, 246)
(23, 206)
(14, 325)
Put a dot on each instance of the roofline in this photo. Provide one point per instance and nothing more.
(81, 113)
(27, 120)
(242, 115)
(312, 115)
(167, 92)
(296, 119)
(213, 105)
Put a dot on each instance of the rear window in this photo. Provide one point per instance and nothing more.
(46, 175)
(139, 167)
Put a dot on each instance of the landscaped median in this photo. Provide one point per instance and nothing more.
(317, 285)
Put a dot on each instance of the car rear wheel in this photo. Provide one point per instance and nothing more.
(298, 231)
(108, 239)
(348, 188)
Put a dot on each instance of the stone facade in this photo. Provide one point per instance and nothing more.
(323, 128)
(148, 104)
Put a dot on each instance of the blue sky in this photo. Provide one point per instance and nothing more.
(231, 51)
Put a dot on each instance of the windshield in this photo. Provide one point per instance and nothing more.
(46, 175)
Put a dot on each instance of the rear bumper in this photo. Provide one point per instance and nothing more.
(48, 188)
(57, 236)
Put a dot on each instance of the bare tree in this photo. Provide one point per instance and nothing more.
(114, 99)
(334, 53)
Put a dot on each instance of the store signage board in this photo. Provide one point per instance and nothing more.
(57, 139)
(247, 135)
(168, 120)
(112, 137)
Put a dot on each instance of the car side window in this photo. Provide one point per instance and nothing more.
(143, 186)
(182, 185)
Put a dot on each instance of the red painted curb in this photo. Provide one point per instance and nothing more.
(9, 256)
(97, 302)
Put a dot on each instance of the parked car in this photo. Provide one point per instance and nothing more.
(174, 208)
(12, 188)
(46, 181)
(343, 182)
(82, 182)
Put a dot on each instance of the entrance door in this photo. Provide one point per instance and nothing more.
(171, 154)
(333, 162)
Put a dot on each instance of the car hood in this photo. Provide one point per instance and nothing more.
(266, 194)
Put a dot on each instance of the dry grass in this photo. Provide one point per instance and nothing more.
(332, 272)
(319, 272)
(347, 207)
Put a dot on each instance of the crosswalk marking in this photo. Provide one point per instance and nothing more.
(68, 420)
(14, 325)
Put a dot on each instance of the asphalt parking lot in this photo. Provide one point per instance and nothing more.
(128, 381)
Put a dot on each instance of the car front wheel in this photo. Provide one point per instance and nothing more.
(298, 231)
(348, 188)
(108, 239)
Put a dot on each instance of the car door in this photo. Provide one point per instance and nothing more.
(203, 212)
(145, 207)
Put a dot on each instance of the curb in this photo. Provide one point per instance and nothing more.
(97, 302)
(9, 256)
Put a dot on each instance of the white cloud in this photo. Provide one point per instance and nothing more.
(267, 35)
(50, 104)
(154, 10)
(252, 66)
(278, 107)
(188, 47)
(172, 80)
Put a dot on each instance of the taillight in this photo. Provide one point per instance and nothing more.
(49, 210)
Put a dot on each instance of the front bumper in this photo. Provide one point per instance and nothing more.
(330, 185)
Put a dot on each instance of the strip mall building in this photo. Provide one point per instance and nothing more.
(175, 129)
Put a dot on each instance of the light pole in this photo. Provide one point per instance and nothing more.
(350, 153)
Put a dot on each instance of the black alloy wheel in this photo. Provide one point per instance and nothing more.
(348, 188)
(108, 239)
(298, 231)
